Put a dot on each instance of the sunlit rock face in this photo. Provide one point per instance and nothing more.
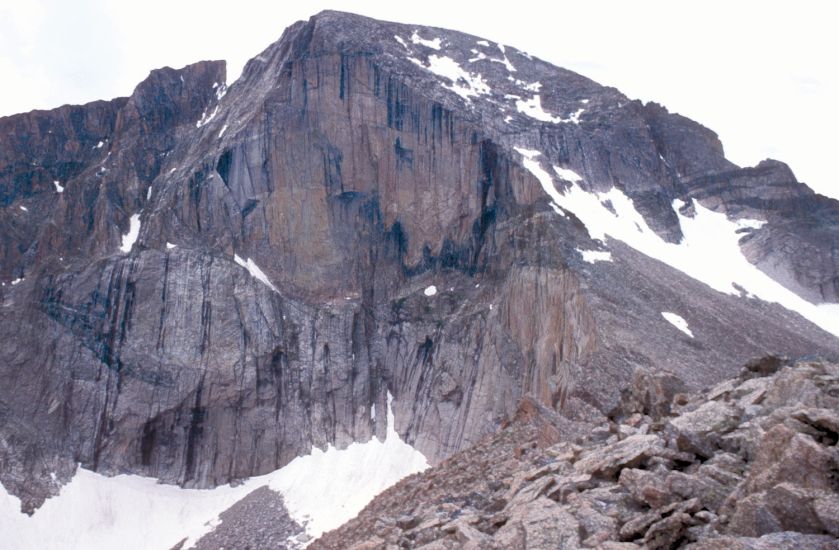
(232, 276)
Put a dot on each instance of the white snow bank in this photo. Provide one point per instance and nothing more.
(430, 290)
(255, 272)
(575, 116)
(433, 44)
(544, 178)
(505, 61)
(568, 174)
(709, 251)
(463, 83)
(322, 491)
(130, 238)
(58, 187)
(127, 512)
(592, 256)
(677, 321)
(331, 487)
(533, 108)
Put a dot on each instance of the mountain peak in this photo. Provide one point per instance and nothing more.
(200, 284)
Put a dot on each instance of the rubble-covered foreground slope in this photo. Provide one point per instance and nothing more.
(751, 463)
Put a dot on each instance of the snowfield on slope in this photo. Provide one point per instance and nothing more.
(322, 491)
(709, 251)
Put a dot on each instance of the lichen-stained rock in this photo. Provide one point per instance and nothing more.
(628, 453)
(699, 431)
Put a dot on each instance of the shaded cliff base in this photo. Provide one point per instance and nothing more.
(751, 463)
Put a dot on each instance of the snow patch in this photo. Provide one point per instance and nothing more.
(322, 491)
(433, 44)
(130, 238)
(16, 281)
(206, 118)
(148, 193)
(478, 56)
(568, 174)
(505, 61)
(128, 512)
(170, 246)
(592, 256)
(575, 116)
(677, 321)
(24, 208)
(330, 487)
(58, 187)
(223, 129)
(255, 272)
(533, 108)
(99, 145)
(482, 43)
(463, 83)
(545, 180)
(401, 41)
(709, 251)
(430, 290)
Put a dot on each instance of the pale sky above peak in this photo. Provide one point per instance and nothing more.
(763, 75)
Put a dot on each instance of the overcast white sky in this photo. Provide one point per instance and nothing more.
(763, 75)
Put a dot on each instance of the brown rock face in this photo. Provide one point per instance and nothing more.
(288, 227)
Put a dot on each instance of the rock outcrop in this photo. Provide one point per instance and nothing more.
(200, 283)
(749, 463)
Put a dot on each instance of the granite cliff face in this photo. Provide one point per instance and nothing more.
(290, 228)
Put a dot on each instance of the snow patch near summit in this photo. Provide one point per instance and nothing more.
(709, 251)
(433, 44)
(533, 108)
(463, 83)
